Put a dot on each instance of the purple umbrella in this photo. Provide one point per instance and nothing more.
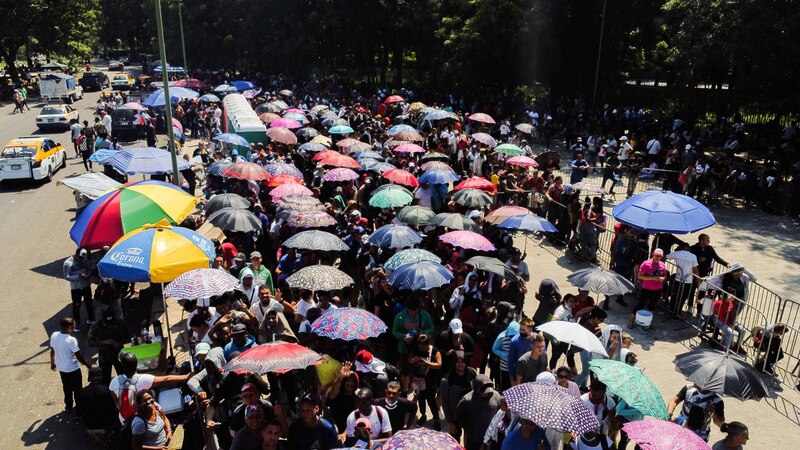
(282, 168)
(656, 434)
(467, 239)
(551, 406)
(287, 189)
(484, 139)
(421, 439)
(348, 324)
(340, 174)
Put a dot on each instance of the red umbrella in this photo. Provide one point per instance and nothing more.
(324, 154)
(436, 165)
(277, 357)
(409, 148)
(477, 183)
(282, 135)
(483, 118)
(339, 160)
(522, 160)
(268, 117)
(393, 99)
(280, 180)
(245, 171)
(401, 176)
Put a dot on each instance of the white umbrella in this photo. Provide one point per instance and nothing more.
(573, 334)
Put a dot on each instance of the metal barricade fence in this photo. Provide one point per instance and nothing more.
(789, 367)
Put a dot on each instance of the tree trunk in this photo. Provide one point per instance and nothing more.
(10, 58)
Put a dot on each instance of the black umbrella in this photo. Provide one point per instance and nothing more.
(548, 159)
(472, 198)
(454, 222)
(493, 265)
(235, 219)
(220, 201)
(723, 373)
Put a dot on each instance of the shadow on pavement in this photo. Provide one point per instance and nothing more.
(61, 431)
(53, 269)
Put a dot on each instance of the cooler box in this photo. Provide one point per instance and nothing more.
(171, 400)
(147, 354)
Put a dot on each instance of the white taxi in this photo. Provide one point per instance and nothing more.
(56, 115)
(32, 158)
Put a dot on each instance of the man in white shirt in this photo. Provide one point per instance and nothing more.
(75, 133)
(653, 149)
(133, 382)
(424, 195)
(378, 417)
(106, 121)
(625, 149)
(686, 269)
(64, 357)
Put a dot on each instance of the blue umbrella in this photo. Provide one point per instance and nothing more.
(663, 212)
(340, 129)
(243, 85)
(282, 168)
(217, 168)
(230, 138)
(439, 115)
(175, 93)
(395, 236)
(438, 177)
(398, 128)
(410, 256)
(210, 98)
(298, 117)
(528, 222)
(225, 89)
(101, 155)
(313, 147)
(369, 154)
(144, 160)
(421, 276)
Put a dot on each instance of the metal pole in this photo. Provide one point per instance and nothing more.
(599, 52)
(167, 97)
(183, 43)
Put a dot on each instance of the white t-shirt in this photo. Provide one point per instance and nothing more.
(425, 197)
(259, 310)
(303, 306)
(564, 314)
(601, 413)
(685, 261)
(143, 382)
(65, 347)
(378, 426)
(653, 147)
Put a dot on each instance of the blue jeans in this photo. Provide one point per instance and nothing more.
(586, 357)
(727, 334)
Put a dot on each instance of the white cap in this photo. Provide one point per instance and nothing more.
(546, 377)
(83, 252)
(688, 147)
(623, 138)
(456, 327)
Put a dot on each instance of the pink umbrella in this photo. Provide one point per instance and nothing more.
(522, 160)
(282, 135)
(409, 148)
(316, 219)
(481, 117)
(504, 212)
(177, 124)
(294, 110)
(346, 142)
(134, 105)
(286, 122)
(656, 434)
(191, 83)
(393, 99)
(401, 176)
(484, 139)
(467, 239)
(340, 174)
(276, 357)
(285, 190)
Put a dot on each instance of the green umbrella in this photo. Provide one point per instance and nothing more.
(509, 149)
(415, 215)
(390, 198)
(630, 384)
(410, 256)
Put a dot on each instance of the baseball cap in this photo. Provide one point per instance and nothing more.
(364, 357)
(249, 387)
(83, 252)
(239, 328)
(253, 410)
(363, 421)
(255, 254)
(240, 257)
(658, 252)
(309, 399)
(456, 327)
(201, 349)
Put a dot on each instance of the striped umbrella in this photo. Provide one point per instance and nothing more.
(282, 135)
(201, 283)
(278, 357)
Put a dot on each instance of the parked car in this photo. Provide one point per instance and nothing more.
(56, 116)
(124, 123)
(94, 81)
(123, 81)
(115, 64)
(32, 158)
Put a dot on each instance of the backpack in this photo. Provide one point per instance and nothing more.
(377, 410)
(127, 396)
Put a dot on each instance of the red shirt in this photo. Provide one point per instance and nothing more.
(229, 252)
(724, 311)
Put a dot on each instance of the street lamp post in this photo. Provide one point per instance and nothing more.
(167, 97)
(183, 43)
(599, 52)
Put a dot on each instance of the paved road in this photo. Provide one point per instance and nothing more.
(34, 227)
(34, 241)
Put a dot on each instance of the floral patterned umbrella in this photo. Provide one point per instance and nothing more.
(246, 171)
(276, 357)
(421, 439)
(282, 135)
(201, 283)
(522, 160)
(484, 139)
(348, 324)
(319, 278)
(410, 256)
(630, 384)
(298, 202)
(467, 239)
(287, 189)
(655, 434)
(316, 240)
(340, 174)
(314, 219)
(282, 168)
(395, 236)
(551, 406)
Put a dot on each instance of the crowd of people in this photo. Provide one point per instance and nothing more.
(449, 353)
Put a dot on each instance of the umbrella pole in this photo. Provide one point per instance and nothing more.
(166, 318)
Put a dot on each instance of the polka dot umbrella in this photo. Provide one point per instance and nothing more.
(551, 406)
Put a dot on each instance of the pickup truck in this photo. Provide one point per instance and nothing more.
(59, 86)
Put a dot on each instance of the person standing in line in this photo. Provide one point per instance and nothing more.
(75, 134)
(652, 274)
(76, 271)
(65, 354)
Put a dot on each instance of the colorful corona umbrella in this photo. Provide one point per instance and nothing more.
(348, 324)
(156, 253)
(127, 208)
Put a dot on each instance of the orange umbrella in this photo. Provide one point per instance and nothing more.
(339, 160)
(324, 154)
(280, 180)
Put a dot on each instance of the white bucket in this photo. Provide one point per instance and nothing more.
(643, 319)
